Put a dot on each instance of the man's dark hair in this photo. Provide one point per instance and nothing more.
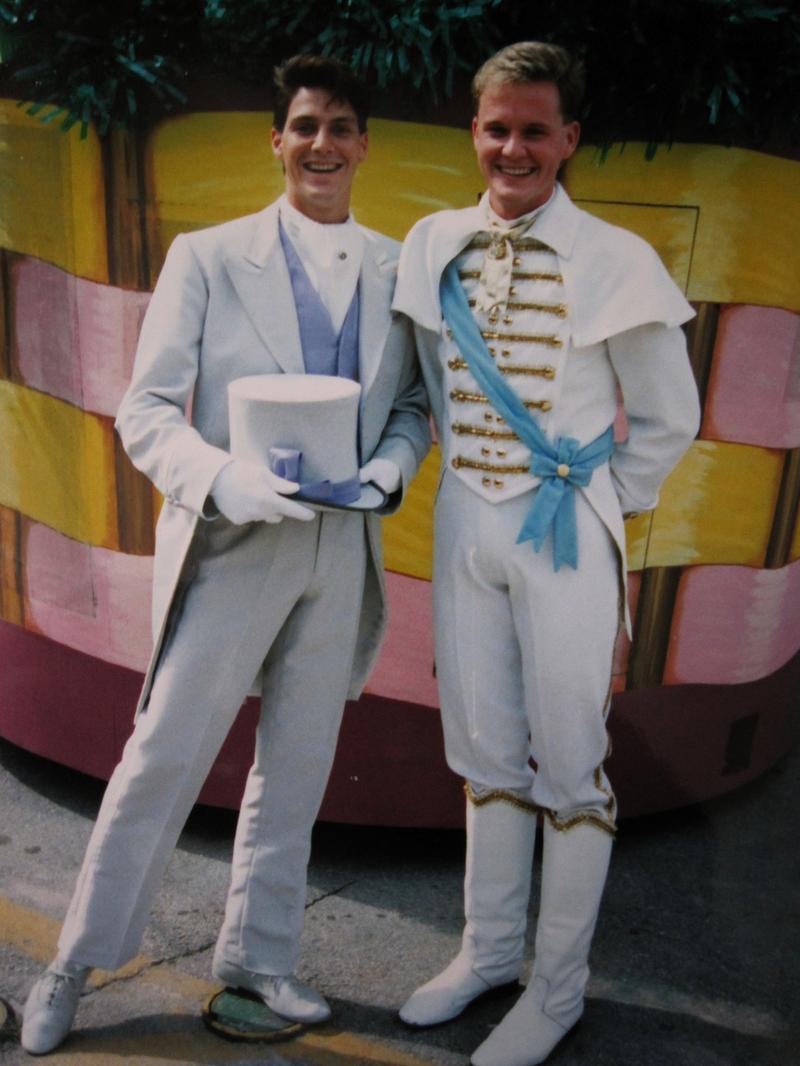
(318, 72)
(535, 61)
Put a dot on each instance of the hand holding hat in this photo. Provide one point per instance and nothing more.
(248, 492)
(383, 473)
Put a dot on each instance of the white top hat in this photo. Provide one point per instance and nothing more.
(304, 427)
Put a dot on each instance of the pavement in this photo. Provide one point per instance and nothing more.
(696, 960)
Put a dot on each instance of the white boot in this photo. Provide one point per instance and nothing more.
(574, 868)
(497, 886)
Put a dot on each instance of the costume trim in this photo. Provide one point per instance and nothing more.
(463, 428)
(548, 340)
(459, 396)
(547, 372)
(517, 275)
(459, 462)
(499, 795)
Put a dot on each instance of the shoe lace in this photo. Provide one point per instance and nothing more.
(56, 984)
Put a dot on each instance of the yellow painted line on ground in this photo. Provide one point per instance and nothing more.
(35, 935)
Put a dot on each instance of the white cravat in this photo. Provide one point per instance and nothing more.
(331, 254)
(495, 279)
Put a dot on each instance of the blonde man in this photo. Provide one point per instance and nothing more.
(530, 317)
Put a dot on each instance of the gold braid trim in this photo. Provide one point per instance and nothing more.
(562, 825)
(516, 275)
(499, 795)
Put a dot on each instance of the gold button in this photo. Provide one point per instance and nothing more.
(512, 291)
(508, 320)
(486, 451)
(487, 417)
(492, 352)
(501, 453)
(549, 372)
(506, 352)
(502, 421)
(546, 405)
(562, 470)
(516, 261)
(486, 482)
(498, 483)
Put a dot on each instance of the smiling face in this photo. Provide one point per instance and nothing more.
(521, 140)
(320, 148)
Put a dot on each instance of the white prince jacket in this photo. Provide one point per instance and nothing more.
(623, 314)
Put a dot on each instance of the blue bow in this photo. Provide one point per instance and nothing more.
(561, 464)
(286, 463)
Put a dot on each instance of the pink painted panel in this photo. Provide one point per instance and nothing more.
(75, 339)
(91, 599)
(45, 329)
(733, 624)
(754, 387)
(405, 666)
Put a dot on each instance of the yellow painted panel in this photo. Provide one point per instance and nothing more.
(408, 535)
(209, 167)
(741, 203)
(794, 551)
(410, 171)
(717, 506)
(747, 248)
(637, 532)
(58, 465)
(671, 231)
(51, 194)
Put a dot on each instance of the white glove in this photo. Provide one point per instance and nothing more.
(383, 473)
(247, 492)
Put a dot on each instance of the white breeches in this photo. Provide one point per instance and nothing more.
(287, 596)
(524, 654)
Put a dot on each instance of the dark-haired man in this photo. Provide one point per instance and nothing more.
(245, 577)
(531, 316)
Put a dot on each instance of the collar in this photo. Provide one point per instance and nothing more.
(319, 242)
(495, 220)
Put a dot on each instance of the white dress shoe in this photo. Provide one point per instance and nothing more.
(285, 994)
(526, 1036)
(51, 1006)
(449, 993)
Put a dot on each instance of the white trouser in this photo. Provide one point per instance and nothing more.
(524, 654)
(291, 593)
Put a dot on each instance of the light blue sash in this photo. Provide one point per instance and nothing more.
(561, 465)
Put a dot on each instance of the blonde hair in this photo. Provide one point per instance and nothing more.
(535, 61)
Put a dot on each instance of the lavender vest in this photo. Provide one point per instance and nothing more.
(323, 351)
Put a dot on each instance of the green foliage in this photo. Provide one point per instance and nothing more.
(97, 62)
(415, 43)
(716, 70)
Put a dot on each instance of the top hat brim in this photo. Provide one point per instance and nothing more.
(371, 499)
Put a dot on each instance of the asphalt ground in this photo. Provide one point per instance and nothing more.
(696, 959)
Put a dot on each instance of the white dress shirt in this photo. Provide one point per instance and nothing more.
(331, 254)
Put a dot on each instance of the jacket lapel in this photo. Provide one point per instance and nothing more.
(376, 282)
(260, 277)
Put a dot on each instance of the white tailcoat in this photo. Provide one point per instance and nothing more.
(224, 308)
(302, 599)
